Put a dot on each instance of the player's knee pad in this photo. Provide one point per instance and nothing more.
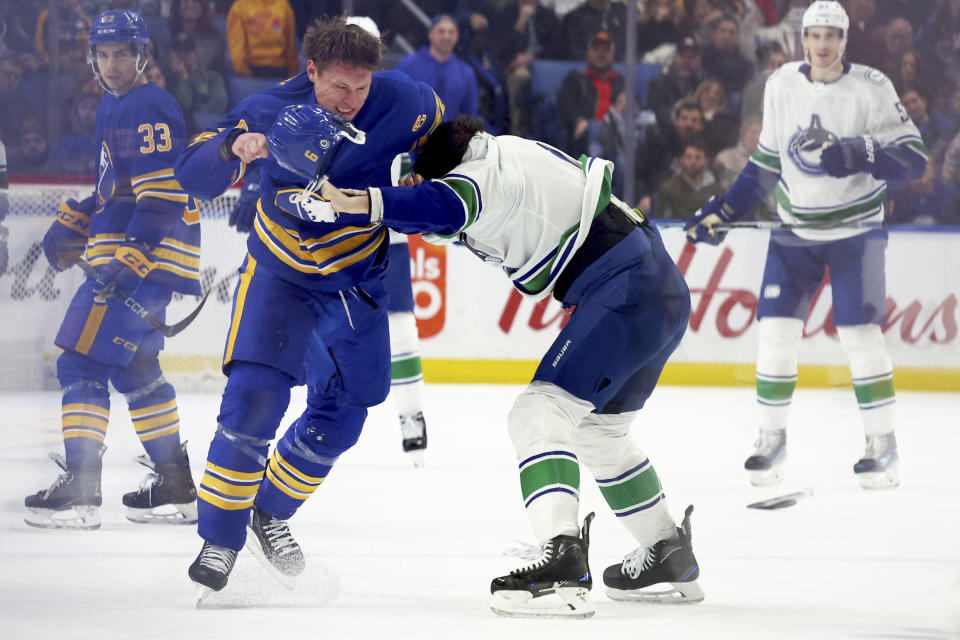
(403, 333)
(542, 418)
(255, 399)
(139, 379)
(863, 344)
(603, 442)
(326, 437)
(74, 368)
(778, 341)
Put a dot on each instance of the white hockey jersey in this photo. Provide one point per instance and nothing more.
(526, 205)
(800, 117)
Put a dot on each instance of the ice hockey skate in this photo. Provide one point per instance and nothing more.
(414, 430)
(211, 570)
(166, 495)
(72, 501)
(270, 540)
(666, 572)
(878, 468)
(766, 463)
(562, 572)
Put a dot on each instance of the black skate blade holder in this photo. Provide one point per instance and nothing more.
(781, 502)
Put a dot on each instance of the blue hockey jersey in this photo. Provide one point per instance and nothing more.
(139, 135)
(397, 116)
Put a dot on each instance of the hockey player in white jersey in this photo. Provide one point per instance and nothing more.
(833, 134)
(552, 225)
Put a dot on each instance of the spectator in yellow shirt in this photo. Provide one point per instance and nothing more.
(260, 34)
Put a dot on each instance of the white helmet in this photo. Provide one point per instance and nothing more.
(365, 23)
(826, 13)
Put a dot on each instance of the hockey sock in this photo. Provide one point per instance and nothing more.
(305, 454)
(539, 424)
(153, 410)
(406, 370)
(872, 372)
(85, 408)
(776, 369)
(628, 482)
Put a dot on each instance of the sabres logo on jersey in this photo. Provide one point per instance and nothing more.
(294, 200)
(805, 145)
(106, 178)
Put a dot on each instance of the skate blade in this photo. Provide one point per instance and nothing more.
(201, 593)
(662, 593)
(889, 478)
(767, 477)
(417, 457)
(574, 603)
(80, 518)
(285, 580)
(181, 514)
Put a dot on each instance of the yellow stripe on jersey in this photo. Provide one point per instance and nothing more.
(179, 258)
(90, 328)
(286, 245)
(245, 278)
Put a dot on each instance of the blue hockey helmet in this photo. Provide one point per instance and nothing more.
(305, 138)
(119, 25)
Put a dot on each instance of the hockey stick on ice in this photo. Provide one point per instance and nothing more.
(169, 330)
(773, 225)
(781, 502)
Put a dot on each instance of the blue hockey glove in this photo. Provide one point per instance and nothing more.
(246, 208)
(130, 265)
(63, 246)
(848, 156)
(700, 227)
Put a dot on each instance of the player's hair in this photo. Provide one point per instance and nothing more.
(445, 147)
(334, 40)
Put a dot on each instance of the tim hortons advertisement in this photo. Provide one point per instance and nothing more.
(468, 310)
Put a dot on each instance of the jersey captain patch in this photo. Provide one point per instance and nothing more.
(805, 145)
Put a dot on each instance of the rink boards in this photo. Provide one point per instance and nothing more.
(476, 328)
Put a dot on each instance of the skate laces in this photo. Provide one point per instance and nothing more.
(768, 442)
(638, 561)
(879, 445)
(536, 555)
(62, 479)
(412, 427)
(279, 535)
(217, 558)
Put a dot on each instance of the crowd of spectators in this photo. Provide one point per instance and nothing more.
(697, 121)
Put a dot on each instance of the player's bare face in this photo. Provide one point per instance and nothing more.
(118, 66)
(340, 88)
(824, 46)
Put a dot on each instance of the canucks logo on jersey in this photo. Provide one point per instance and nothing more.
(805, 145)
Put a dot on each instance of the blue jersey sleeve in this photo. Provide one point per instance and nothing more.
(428, 207)
(159, 135)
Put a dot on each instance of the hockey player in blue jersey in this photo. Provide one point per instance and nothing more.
(141, 233)
(307, 287)
(551, 223)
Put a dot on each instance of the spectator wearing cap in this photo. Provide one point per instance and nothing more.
(260, 34)
(590, 17)
(197, 89)
(585, 96)
(722, 58)
(770, 57)
(437, 65)
(525, 32)
(680, 80)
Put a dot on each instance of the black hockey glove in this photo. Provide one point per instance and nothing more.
(849, 156)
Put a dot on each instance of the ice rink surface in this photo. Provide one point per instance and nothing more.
(399, 552)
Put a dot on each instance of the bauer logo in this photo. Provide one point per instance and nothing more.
(428, 271)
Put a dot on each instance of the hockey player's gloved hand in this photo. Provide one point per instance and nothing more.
(849, 156)
(131, 264)
(246, 208)
(700, 227)
(63, 246)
